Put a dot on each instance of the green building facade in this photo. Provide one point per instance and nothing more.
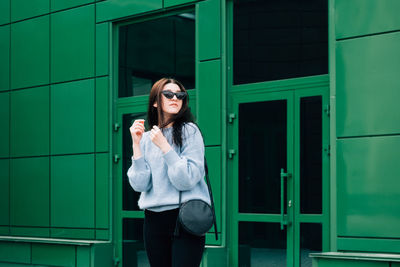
(296, 99)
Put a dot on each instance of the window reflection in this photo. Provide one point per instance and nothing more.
(282, 39)
(153, 49)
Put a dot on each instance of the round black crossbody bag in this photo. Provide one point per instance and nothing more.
(197, 216)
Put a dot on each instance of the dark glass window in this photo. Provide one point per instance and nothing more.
(311, 154)
(262, 146)
(275, 40)
(130, 197)
(154, 49)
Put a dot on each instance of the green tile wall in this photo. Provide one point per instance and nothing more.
(116, 9)
(367, 186)
(55, 255)
(367, 85)
(72, 117)
(102, 114)
(4, 12)
(82, 256)
(30, 126)
(30, 63)
(170, 3)
(102, 48)
(22, 9)
(15, 252)
(72, 233)
(63, 4)
(362, 17)
(29, 191)
(209, 29)
(4, 192)
(72, 191)
(72, 44)
(102, 190)
(4, 56)
(209, 101)
(5, 125)
(30, 231)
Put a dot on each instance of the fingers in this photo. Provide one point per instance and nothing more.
(137, 127)
(155, 132)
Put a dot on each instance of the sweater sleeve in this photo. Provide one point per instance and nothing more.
(139, 174)
(186, 170)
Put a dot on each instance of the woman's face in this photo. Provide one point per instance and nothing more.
(171, 106)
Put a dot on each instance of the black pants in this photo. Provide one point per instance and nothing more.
(163, 248)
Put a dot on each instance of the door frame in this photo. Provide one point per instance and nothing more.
(293, 90)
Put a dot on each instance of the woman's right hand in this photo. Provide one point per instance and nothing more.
(137, 130)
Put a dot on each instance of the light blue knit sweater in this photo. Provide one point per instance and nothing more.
(160, 176)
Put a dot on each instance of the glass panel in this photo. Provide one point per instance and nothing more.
(134, 253)
(311, 155)
(261, 244)
(153, 49)
(282, 39)
(310, 242)
(262, 153)
(130, 197)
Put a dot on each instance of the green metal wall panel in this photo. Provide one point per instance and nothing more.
(170, 3)
(102, 115)
(30, 231)
(209, 101)
(64, 4)
(214, 257)
(29, 191)
(102, 190)
(15, 252)
(4, 12)
(4, 192)
(30, 63)
(72, 233)
(72, 191)
(72, 117)
(30, 122)
(116, 9)
(367, 85)
(347, 263)
(22, 9)
(213, 155)
(4, 56)
(4, 230)
(362, 17)
(102, 234)
(72, 44)
(367, 186)
(5, 125)
(209, 29)
(55, 255)
(102, 49)
(83, 256)
(369, 245)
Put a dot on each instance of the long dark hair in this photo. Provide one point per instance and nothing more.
(155, 115)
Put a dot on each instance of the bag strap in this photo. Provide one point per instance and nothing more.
(211, 199)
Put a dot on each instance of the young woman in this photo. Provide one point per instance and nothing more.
(167, 159)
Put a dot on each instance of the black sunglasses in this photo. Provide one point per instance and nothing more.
(170, 94)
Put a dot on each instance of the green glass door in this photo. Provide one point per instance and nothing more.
(277, 191)
(128, 217)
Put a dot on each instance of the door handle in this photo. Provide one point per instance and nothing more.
(116, 158)
(283, 219)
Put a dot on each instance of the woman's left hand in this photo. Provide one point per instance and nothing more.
(159, 139)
